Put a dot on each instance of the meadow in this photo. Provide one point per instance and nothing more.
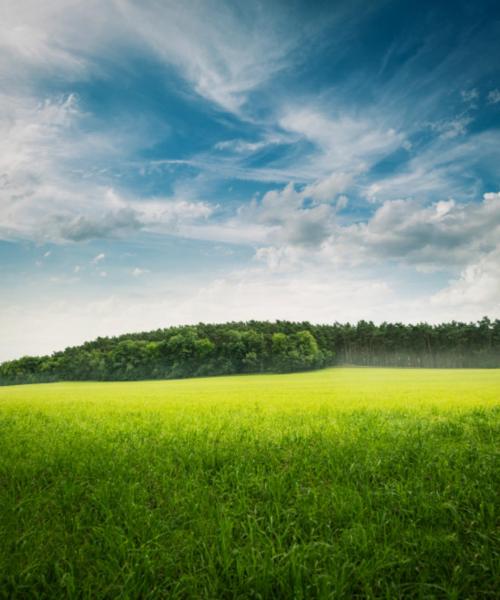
(340, 483)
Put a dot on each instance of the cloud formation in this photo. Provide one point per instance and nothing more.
(351, 171)
(44, 196)
(224, 49)
(444, 234)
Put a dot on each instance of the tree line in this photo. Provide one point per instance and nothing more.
(262, 347)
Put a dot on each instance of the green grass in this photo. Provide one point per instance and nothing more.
(343, 483)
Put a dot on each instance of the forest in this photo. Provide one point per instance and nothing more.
(263, 347)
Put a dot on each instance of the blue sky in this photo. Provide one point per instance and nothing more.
(174, 162)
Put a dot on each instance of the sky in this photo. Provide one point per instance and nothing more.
(166, 162)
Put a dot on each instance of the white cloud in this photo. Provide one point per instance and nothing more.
(224, 59)
(286, 227)
(287, 219)
(240, 146)
(279, 258)
(302, 217)
(335, 149)
(494, 97)
(290, 280)
(80, 228)
(440, 169)
(171, 214)
(347, 144)
(39, 190)
(43, 37)
(53, 158)
(445, 233)
(224, 49)
(342, 203)
(469, 95)
(476, 290)
(42, 195)
(451, 128)
(98, 258)
(326, 189)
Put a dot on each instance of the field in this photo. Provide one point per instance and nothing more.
(342, 483)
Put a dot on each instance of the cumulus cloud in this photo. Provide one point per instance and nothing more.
(477, 289)
(288, 216)
(440, 235)
(158, 213)
(444, 234)
(327, 188)
(81, 228)
(296, 225)
(131, 216)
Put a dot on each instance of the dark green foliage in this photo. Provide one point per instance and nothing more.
(260, 347)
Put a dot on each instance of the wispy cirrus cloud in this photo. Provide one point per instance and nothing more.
(224, 58)
(223, 49)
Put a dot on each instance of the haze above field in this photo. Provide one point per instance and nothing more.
(176, 162)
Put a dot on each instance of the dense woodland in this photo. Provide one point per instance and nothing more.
(263, 347)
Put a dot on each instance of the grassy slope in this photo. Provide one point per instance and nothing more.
(339, 483)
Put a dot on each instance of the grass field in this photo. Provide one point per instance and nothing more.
(343, 483)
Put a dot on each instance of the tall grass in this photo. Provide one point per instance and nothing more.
(368, 483)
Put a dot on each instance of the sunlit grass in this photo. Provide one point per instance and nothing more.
(339, 483)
